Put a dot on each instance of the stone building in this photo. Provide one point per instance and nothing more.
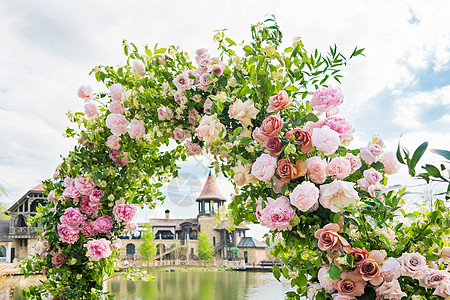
(177, 238)
(20, 235)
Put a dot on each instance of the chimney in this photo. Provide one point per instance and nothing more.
(167, 214)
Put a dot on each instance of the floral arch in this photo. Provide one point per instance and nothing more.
(270, 118)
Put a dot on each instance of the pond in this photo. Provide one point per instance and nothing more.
(197, 285)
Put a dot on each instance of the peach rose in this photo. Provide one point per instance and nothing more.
(370, 271)
(210, 129)
(351, 284)
(243, 112)
(259, 137)
(301, 137)
(271, 125)
(316, 169)
(115, 107)
(338, 168)
(137, 128)
(138, 67)
(85, 92)
(117, 123)
(113, 142)
(359, 255)
(242, 174)
(279, 101)
(337, 194)
(91, 110)
(355, 162)
(288, 171)
(305, 196)
(328, 237)
(264, 167)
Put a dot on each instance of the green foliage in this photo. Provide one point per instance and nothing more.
(204, 247)
(147, 248)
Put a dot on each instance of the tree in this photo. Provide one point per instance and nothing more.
(205, 248)
(147, 249)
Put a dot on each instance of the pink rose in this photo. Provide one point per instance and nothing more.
(179, 135)
(67, 234)
(117, 123)
(200, 53)
(355, 162)
(97, 249)
(264, 167)
(87, 229)
(177, 97)
(207, 106)
(116, 91)
(165, 113)
(274, 145)
(84, 184)
(370, 153)
(316, 169)
(87, 207)
(115, 107)
(205, 81)
(413, 265)
(138, 66)
(67, 182)
(390, 290)
(372, 176)
(124, 212)
(305, 196)
(259, 137)
(183, 82)
(337, 296)
(51, 196)
(95, 196)
(325, 140)
(277, 184)
(301, 137)
(56, 174)
(390, 163)
(137, 128)
(324, 279)
(359, 255)
(193, 149)
(131, 226)
(204, 62)
(328, 237)
(59, 259)
(217, 69)
(72, 217)
(279, 101)
(309, 126)
(341, 126)
(327, 100)
(337, 194)
(391, 269)
(113, 142)
(370, 271)
(338, 168)
(271, 125)
(277, 214)
(192, 117)
(91, 110)
(103, 224)
(85, 92)
(71, 192)
(312, 290)
(116, 244)
(444, 254)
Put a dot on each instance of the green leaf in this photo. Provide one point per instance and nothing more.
(399, 154)
(334, 272)
(148, 52)
(311, 117)
(432, 170)
(276, 272)
(237, 131)
(443, 153)
(160, 50)
(230, 41)
(415, 158)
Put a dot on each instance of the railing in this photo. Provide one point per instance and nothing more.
(22, 231)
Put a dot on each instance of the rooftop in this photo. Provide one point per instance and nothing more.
(211, 190)
(249, 242)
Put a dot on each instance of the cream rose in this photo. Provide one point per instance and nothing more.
(243, 112)
(337, 194)
(210, 129)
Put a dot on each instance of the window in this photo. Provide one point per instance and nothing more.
(214, 240)
(131, 249)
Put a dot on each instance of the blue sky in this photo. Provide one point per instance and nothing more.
(401, 87)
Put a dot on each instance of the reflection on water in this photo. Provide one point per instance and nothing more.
(192, 285)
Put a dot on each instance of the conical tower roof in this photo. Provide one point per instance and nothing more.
(211, 190)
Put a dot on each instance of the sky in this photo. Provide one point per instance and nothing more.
(400, 90)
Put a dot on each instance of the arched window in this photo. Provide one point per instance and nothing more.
(20, 221)
(131, 249)
(214, 240)
(2, 251)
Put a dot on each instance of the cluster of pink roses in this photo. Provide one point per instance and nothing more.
(90, 108)
(373, 268)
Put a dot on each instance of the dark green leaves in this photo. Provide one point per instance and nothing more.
(276, 272)
(444, 153)
(334, 272)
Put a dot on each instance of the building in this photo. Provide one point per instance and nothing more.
(17, 238)
(177, 238)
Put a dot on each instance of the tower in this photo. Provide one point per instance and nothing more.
(210, 198)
